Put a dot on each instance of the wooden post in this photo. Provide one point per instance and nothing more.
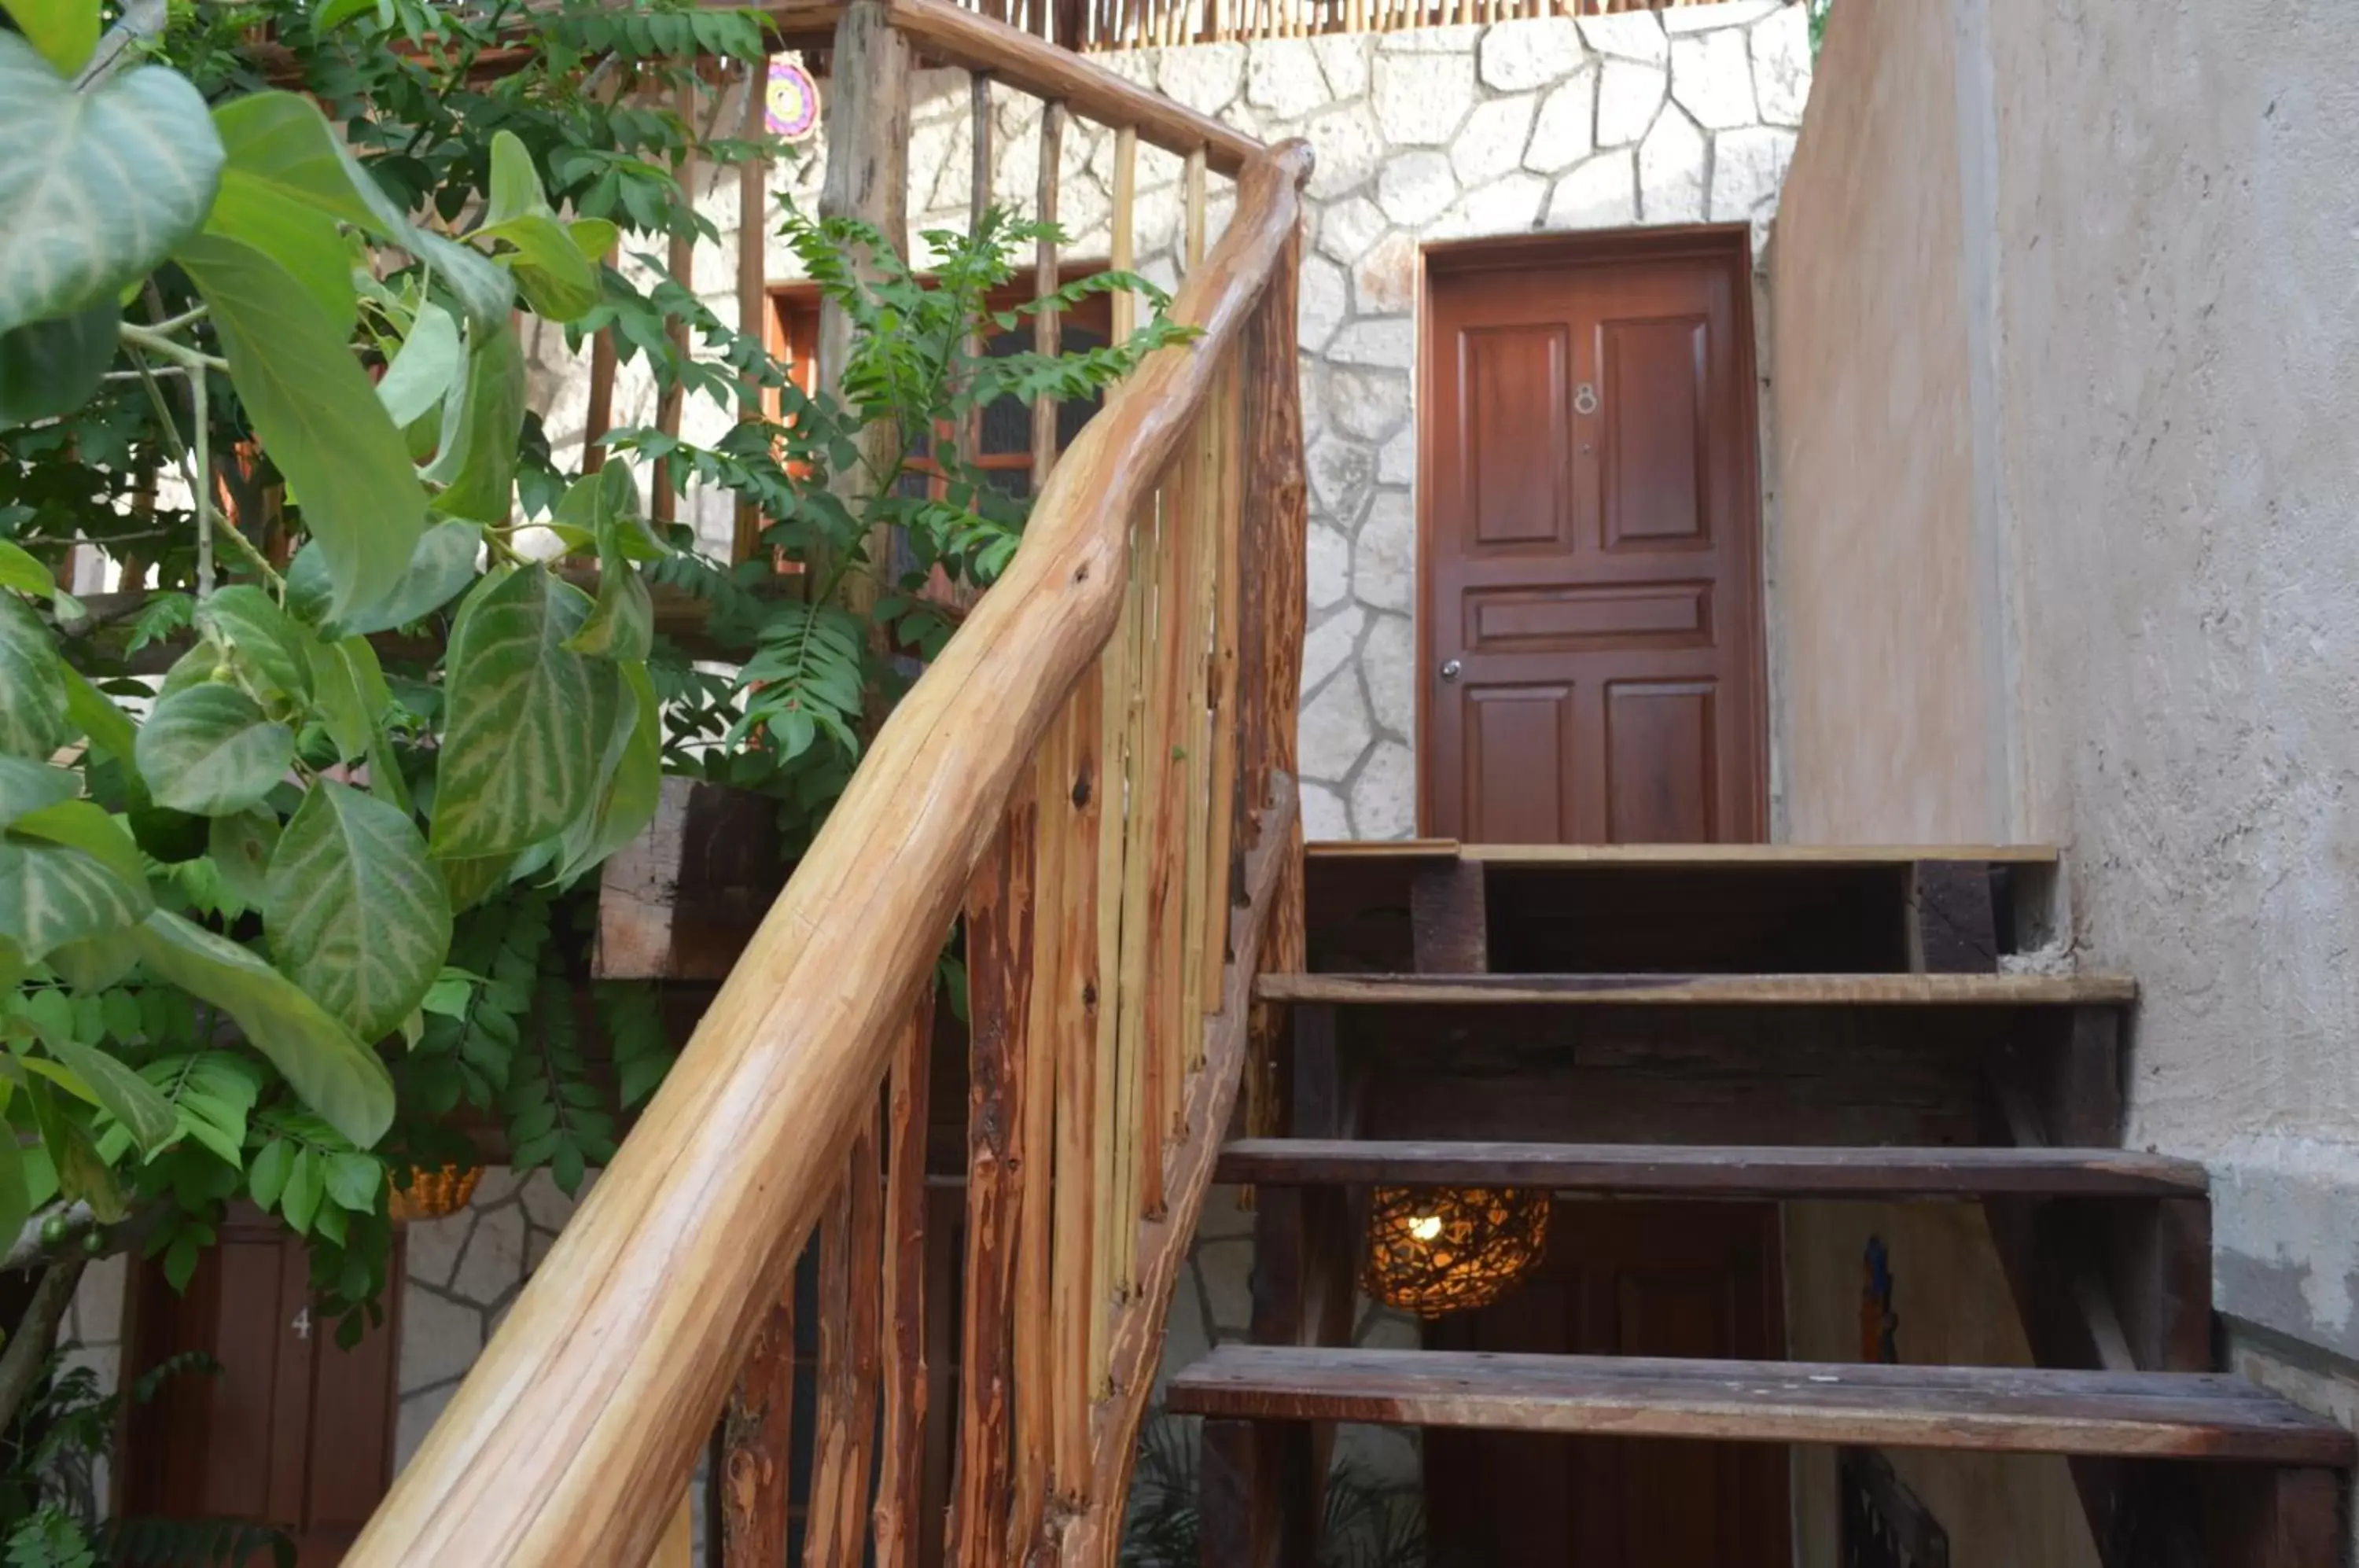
(867, 179)
(978, 202)
(901, 1464)
(851, 1266)
(757, 1427)
(600, 416)
(752, 288)
(1037, 1068)
(1079, 1008)
(999, 916)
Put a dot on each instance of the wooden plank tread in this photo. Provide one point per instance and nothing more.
(2002, 1409)
(1708, 1171)
(1698, 990)
(1673, 855)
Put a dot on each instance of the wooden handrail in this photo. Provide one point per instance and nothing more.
(961, 38)
(569, 1442)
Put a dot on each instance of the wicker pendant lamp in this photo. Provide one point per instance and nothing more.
(1437, 1250)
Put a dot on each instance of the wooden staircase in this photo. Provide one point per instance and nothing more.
(1741, 1023)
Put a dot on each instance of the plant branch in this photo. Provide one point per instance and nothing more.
(29, 1348)
(155, 340)
(30, 1249)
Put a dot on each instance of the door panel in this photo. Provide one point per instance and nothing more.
(1621, 1278)
(1591, 553)
(292, 1432)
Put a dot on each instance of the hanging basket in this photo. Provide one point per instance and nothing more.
(1437, 1250)
(434, 1193)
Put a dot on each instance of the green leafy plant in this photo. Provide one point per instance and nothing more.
(1369, 1521)
(50, 1508)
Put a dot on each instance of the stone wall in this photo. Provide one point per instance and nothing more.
(1681, 116)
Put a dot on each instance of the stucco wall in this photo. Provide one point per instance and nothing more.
(1877, 546)
(2156, 276)
(1449, 133)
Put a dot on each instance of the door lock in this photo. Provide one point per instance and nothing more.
(1584, 399)
(1451, 670)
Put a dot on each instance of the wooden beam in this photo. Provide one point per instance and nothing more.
(1701, 990)
(756, 1448)
(851, 1311)
(577, 1428)
(1952, 918)
(1448, 918)
(959, 37)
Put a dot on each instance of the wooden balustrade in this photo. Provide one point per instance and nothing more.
(1096, 773)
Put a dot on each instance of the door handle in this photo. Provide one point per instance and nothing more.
(1451, 670)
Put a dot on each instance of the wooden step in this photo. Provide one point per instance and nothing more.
(1714, 1171)
(1698, 990)
(2004, 1409)
(1423, 850)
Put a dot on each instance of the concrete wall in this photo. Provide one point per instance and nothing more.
(2142, 356)
(1439, 134)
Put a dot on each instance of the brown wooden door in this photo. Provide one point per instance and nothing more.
(1592, 572)
(291, 1432)
(1621, 1278)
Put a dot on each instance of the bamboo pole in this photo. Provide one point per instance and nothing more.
(900, 1478)
(1046, 323)
(999, 932)
(1221, 697)
(1035, 1153)
(1078, 1009)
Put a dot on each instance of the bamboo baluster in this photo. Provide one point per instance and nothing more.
(978, 202)
(680, 261)
(1035, 1153)
(753, 291)
(1133, 1029)
(851, 1265)
(755, 1445)
(678, 1548)
(1129, 966)
(1221, 794)
(1046, 324)
(1165, 752)
(900, 1478)
(1077, 1012)
(999, 991)
(1198, 641)
(1117, 931)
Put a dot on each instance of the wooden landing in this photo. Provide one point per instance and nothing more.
(1681, 854)
(1715, 1171)
(2002, 1409)
(1698, 990)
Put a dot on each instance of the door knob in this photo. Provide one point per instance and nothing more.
(1450, 668)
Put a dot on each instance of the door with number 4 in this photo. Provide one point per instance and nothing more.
(1591, 543)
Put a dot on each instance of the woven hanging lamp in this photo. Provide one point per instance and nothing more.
(1437, 1250)
(435, 1192)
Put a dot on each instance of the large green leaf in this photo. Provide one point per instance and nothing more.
(336, 700)
(425, 367)
(96, 188)
(209, 750)
(355, 914)
(28, 786)
(476, 464)
(516, 184)
(481, 284)
(284, 189)
(622, 624)
(558, 280)
(51, 368)
(242, 846)
(22, 571)
(33, 720)
(443, 564)
(633, 786)
(121, 1092)
(65, 31)
(336, 1075)
(521, 750)
(95, 713)
(250, 621)
(89, 827)
(318, 417)
(304, 242)
(50, 895)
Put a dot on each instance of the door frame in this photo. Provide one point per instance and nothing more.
(1729, 245)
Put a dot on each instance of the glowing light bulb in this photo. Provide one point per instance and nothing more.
(1425, 1227)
